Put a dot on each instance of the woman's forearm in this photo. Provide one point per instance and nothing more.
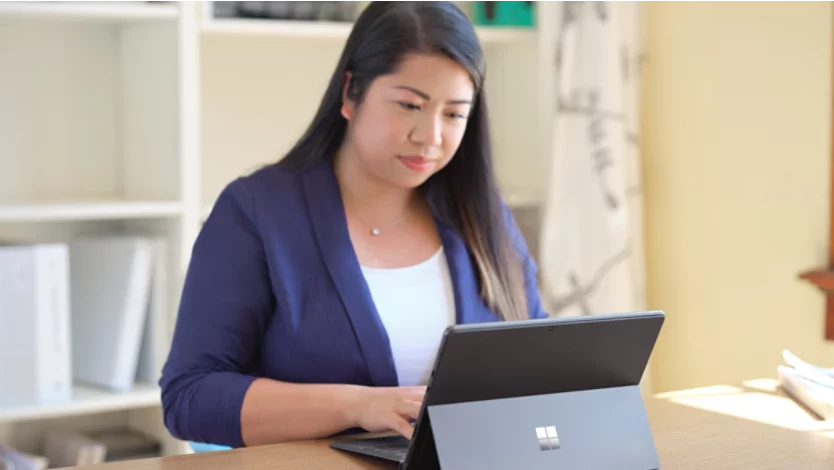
(276, 411)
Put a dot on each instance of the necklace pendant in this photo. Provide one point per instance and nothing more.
(375, 232)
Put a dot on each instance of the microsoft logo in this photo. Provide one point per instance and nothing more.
(548, 439)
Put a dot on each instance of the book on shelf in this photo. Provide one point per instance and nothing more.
(156, 334)
(69, 448)
(91, 310)
(35, 341)
(811, 385)
(126, 444)
(114, 337)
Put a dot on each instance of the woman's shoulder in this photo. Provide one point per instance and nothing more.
(269, 188)
(266, 201)
(272, 182)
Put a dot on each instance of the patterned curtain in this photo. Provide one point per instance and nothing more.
(592, 242)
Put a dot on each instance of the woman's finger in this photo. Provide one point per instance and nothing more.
(409, 409)
(416, 393)
(402, 426)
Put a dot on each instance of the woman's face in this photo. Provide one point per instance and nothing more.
(410, 123)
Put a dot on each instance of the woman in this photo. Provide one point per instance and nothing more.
(319, 287)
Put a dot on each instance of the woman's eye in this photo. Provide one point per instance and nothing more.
(457, 116)
(409, 106)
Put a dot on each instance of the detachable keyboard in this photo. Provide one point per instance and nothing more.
(392, 448)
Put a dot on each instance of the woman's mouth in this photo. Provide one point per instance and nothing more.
(417, 163)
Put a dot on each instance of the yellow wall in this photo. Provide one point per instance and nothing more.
(736, 134)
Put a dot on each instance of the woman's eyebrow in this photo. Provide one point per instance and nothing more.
(427, 97)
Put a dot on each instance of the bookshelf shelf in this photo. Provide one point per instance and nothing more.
(86, 400)
(99, 123)
(88, 11)
(521, 200)
(91, 210)
(505, 35)
(332, 30)
(276, 28)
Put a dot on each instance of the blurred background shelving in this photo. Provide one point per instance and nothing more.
(130, 117)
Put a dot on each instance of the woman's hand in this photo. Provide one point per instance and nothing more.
(388, 408)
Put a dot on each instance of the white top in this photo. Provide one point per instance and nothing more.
(416, 304)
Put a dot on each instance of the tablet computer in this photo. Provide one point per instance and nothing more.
(561, 392)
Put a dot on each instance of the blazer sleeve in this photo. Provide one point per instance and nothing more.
(531, 283)
(225, 305)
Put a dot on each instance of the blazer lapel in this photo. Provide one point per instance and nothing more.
(469, 306)
(321, 190)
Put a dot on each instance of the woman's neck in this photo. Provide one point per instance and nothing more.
(374, 201)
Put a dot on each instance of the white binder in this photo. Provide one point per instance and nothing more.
(157, 334)
(35, 366)
(110, 285)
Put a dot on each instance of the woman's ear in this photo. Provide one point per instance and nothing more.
(348, 105)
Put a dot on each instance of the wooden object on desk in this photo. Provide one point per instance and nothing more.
(750, 427)
(823, 278)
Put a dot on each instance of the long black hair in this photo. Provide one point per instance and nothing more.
(464, 194)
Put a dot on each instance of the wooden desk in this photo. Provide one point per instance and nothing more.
(751, 429)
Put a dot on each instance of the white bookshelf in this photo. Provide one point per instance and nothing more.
(98, 134)
(86, 400)
(88, 210)
(275, 28)
(332, 30)
(132, 116)
(89, 11)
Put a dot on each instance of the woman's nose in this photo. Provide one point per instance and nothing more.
(429, 131)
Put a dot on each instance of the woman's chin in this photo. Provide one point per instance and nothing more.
(411, 181)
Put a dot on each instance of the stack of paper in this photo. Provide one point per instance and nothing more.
(811, 385)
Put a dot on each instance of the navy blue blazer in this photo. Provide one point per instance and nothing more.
(274, 289)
